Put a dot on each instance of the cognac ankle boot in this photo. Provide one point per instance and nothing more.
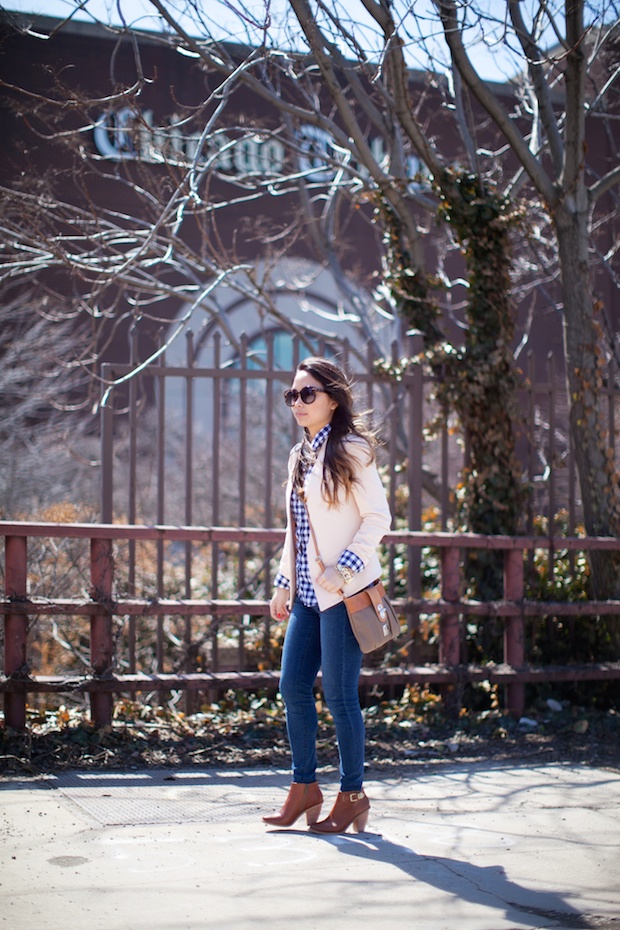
(301, 799)
(351, 807)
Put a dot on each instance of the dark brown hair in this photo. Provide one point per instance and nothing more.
(338, 468)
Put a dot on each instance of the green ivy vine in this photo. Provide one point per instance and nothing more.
(479, 379)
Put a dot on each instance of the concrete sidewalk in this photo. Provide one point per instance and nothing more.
(464, 847)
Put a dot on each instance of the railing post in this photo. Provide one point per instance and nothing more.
(15, 628)
(101, 642)
(449, 627)
(514, 628)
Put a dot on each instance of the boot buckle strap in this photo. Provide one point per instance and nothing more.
(356, 796)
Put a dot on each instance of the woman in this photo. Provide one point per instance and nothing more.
(336, 504)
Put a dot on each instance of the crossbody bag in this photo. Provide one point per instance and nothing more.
(371, 615)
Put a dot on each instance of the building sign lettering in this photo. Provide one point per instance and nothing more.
(124, 135)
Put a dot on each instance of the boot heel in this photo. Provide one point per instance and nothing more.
(351, 808)
(312, 814)
(359, 824)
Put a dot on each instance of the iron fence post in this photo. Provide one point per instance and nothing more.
(107, 447)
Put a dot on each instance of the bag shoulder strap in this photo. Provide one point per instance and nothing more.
(319, 560)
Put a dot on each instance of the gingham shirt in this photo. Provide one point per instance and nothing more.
(304, 585)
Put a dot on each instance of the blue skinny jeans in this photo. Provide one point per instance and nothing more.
(315, 640)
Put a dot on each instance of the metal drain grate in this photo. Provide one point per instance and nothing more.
(160, 797)
(115, 811)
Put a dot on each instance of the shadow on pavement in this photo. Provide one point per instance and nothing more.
(486, 886)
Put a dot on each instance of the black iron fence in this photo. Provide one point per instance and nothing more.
(207, 444)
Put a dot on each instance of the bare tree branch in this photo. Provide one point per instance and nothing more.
(448, 12)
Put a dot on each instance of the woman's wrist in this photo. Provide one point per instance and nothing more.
(345, 573)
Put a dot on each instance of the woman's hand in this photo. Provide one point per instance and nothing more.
(278, 605)
(331, 580)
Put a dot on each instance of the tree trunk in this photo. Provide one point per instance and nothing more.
(584, 376)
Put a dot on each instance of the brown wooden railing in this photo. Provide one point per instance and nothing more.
(102, 681)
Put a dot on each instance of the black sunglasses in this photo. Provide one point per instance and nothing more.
(307, 394)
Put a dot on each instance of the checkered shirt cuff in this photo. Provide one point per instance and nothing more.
(350, 560)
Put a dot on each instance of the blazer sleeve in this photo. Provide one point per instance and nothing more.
(371, 500)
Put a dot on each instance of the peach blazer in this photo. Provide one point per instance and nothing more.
(358, 521)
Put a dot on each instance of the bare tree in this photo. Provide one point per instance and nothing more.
(553, 159)
(331, 80)
(41, 377)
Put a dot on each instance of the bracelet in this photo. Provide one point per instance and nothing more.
(345, 573)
